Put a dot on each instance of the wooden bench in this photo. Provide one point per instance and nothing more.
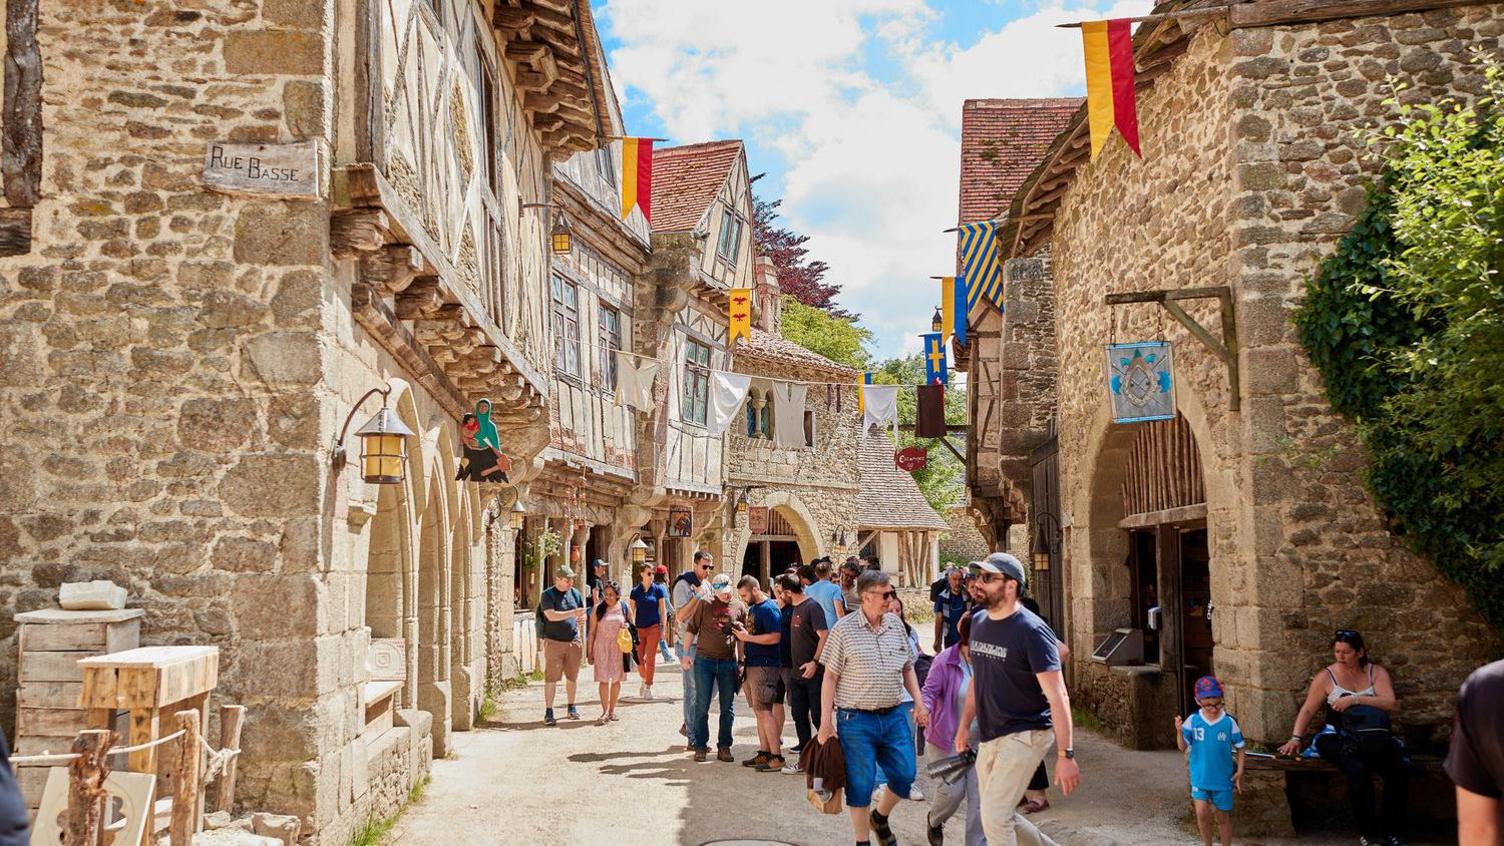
(1273, 787)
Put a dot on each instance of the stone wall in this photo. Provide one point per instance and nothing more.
(1252, 171)
(963, 540)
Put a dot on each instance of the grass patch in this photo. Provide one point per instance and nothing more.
(377, 829)
(1086, 719)
(488, 709)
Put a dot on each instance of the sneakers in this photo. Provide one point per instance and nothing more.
(915, 794)
(702, 755)
(880, 829)
(642, 691)
(797, 749)
(724, 754)
(573, 713)
(774, 764)
(548, 717)
(647, 692)
(792, 767)
(935, 833)
(756, 760)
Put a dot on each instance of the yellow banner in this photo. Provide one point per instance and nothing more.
(947, 306)
(628, 175)
(739, 316)
(1099, 103)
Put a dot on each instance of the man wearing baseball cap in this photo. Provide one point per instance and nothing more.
(713, 627)
(1017, 696)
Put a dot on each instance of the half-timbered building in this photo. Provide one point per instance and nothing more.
(248, 218)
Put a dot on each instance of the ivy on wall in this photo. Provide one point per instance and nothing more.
(1406, 324)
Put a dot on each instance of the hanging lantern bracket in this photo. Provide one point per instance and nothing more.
(338, 456)
(1226, 350)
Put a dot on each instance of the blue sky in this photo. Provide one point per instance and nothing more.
(852, 108)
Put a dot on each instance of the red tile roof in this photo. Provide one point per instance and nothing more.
(1002, 141)
(686, 179)
(767, 346)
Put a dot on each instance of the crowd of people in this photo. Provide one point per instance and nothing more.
(832, 649)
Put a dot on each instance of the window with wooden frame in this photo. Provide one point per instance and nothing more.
(487, 93)
(566, 324)
(609, 324)
(730, 241)
(696, 399)
(605, 163)
(809, 428)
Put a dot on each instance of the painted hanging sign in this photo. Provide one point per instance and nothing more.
(481, 458)
(637, 177)
(739, 316)
(936, 370)
(1111, 99)
(757, 519)
(1141, 381)
(681, 522)
(911, 459)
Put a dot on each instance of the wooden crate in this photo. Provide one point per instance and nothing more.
(49, 707)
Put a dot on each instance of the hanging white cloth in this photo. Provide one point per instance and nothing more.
(727, 390)
(634, 384)
(881, 403)
(788, 414)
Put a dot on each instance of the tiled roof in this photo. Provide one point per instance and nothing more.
(1002, 141)
(767, 346)
(889, 498)
(686, 179)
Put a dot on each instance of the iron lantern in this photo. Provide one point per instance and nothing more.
(639, 551)
(519, 515)
(937, 322)
(560, 237)
(383, 443)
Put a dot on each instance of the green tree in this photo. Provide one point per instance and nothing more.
(839, 339)
(1406, 324)
(943, 477)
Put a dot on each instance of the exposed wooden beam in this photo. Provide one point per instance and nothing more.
(1280, 12)
(15, 232)
(21, 158)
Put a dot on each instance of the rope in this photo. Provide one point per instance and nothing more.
(217, 757)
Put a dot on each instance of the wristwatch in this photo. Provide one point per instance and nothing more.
(1068, 753)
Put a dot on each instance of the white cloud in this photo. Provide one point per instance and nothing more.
(871, 169)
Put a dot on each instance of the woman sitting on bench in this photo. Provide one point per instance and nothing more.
(1359, 740)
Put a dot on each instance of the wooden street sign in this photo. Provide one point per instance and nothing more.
(291, 171)
(757, 519)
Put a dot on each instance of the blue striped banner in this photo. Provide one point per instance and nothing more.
(980, 265)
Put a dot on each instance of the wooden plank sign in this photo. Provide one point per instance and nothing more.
(757, 519)
(290, 171)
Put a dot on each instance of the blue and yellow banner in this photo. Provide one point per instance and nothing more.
(861, 398)
(952, 291)
(935, 370)
(981, 265)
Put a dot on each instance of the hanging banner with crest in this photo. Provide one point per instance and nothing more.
(1141, 381)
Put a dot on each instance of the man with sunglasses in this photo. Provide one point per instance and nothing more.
(689, 590)
(868, 665)
(1018, 697)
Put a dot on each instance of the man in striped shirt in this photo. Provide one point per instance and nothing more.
(868, 665)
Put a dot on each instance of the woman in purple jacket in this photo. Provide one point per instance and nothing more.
(944, 693)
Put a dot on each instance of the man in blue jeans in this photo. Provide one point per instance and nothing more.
(713, 627)
(868, 665)
(690, 591)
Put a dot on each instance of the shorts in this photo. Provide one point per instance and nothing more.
(561, 659)
(1220, 799)
(765, 687)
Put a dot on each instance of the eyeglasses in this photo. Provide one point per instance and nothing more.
(887, 594)
(1344, 634)
(985, 577)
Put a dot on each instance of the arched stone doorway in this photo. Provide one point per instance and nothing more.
(793, 534)
(1149, 570)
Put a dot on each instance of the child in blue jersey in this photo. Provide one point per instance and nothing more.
(1213, 744)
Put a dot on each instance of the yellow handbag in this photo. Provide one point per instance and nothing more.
(624, 640)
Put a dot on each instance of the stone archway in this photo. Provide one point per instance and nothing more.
(805, 529)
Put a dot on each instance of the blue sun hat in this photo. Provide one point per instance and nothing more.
(1207, 687)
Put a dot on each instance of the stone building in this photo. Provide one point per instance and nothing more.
(1244, 518)
(186, 333)
(962, 540)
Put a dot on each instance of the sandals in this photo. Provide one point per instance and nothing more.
(1032, 807)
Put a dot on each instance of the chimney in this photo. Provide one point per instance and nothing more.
(769, 302)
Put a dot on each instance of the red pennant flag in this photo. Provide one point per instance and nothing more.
(637, 177)
(1111, 98)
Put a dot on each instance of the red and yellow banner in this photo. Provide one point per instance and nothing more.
(1110, 96)
(637, 177)
(739, 316)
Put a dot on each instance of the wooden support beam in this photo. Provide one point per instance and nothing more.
(21, 128)
(15, 232)
(185, 781)
(358, 231)
(419, 300)
(1281, 12)
(526, 52)
(392, 268)
(512, 19)
(1226, 349)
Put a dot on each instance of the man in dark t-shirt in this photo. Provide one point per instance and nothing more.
(807, 630)
(1017, 695)
(1476, 760)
